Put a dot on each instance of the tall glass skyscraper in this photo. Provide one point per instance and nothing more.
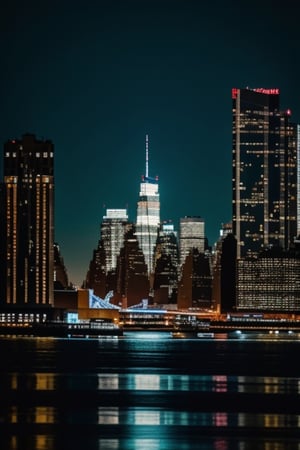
(148, 216)
(192, 236)
(264, 181)
(27, 223)
(101, 276)
(113, 229)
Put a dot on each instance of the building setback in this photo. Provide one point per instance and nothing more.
(27, 223)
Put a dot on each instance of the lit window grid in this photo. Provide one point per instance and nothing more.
(268, 283)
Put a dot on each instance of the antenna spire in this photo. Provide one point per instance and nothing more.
(147, 161)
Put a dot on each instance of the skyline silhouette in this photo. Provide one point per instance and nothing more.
(96, 78)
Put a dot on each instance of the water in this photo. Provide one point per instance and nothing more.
(148, 391)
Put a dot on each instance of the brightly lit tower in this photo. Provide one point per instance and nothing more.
(148, 214)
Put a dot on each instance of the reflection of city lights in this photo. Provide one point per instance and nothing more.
(44, 381)
(220, 419)
(220, 383)
(220, 444)
(108, 415)
(44, 414)
(147, 382)
(147, 418)
(108, 381)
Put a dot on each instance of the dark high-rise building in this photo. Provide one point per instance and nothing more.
(166, 265)
(60, 272)
(27, 223)
(131, 273)
(195, 284)
(224, 271)
(264, 172)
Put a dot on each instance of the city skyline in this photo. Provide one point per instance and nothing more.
(110, 74)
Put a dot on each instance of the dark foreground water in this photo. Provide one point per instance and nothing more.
(147, 391)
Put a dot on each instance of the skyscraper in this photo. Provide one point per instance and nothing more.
(191, 236)
(166, 265)
(264, 182)
(298, 180)
(27, 223)
(60, 272)
(101, 276)
(113, 228)
(132, 278)
(195, 283)
(148, 216)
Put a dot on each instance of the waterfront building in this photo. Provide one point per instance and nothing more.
(148, 216)
(192, 236)
(270, 282)
(27, 223)
(166, 265)
(264, 182)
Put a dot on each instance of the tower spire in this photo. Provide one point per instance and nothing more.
(147, 161)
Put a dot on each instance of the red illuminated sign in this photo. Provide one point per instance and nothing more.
(234, 92)
(274, 91)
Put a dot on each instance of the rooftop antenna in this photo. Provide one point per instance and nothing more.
(146, 156)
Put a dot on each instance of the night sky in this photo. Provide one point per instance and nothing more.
(96, 76)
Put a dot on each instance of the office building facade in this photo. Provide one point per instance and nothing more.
(27, 223)
(191, 236)
(166, 264)
(113, 228)
(264, 181)
(195, 283)
(101, 276)
(269, 283)
(132, 278)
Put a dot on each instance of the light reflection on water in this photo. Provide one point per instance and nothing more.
(146, 391)
(150, 382)
(148, 416)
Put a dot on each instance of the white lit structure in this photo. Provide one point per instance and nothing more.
(191, 236)
(148, 216)
(112, 234)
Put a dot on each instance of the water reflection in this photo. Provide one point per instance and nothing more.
(147, 416)
(44, 442)
(140, 393)
(26, 382)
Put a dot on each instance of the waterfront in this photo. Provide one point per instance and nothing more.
(147, 391)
